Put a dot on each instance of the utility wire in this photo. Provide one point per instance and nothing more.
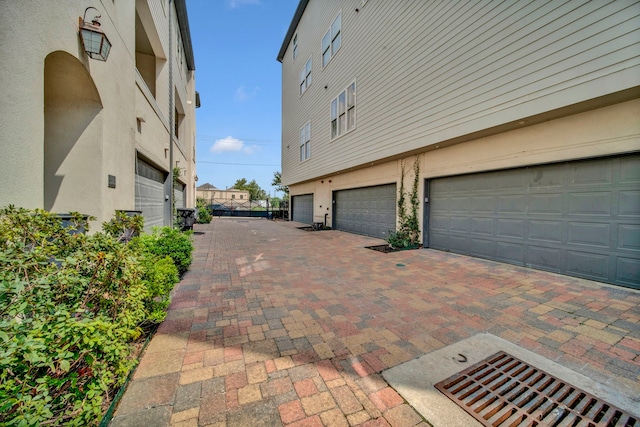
(235, 164)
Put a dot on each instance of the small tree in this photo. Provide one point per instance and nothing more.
(277, 182)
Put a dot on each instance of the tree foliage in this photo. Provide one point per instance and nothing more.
(255, 192)
(277, 182)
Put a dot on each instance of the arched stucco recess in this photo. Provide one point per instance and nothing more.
(72, 137)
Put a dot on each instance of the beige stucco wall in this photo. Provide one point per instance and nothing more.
(107, 143)
(603, 132)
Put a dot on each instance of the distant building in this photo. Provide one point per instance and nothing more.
(524, 118)
(215, 195)
(95, 136)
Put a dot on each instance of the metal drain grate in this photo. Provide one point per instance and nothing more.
(502, 390)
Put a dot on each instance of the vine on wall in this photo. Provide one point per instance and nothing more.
(408, 233)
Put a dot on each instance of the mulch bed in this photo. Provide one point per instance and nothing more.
(388, 249)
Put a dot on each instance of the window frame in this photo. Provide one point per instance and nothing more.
(305, 142)
(294, 52)
(307, 80)
(342, 111)
(331, 39)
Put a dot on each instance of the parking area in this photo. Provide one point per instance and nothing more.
(273, 325)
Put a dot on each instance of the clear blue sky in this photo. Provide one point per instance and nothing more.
(235, 44)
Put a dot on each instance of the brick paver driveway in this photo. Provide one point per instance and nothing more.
(276, 326)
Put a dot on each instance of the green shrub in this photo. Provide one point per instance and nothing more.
(70, 305)
(204, 215)
(167, 241)
(160, 276)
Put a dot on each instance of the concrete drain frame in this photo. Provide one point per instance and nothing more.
(416, 381)
(503, 390)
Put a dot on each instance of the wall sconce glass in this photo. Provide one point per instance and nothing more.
(95, 42)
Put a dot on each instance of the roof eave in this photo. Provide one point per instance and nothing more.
(292, 28)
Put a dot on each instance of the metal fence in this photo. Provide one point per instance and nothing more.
(246, 208)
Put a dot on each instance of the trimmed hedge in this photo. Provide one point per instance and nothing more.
(71, 305)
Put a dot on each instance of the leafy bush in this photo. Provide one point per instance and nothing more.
(160, 276)
(70, 305)
(204, 215)
(124, 227)
(167, 241)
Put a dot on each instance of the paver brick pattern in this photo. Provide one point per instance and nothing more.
(275, 326)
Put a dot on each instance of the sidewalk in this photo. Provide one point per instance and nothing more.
(277, 326)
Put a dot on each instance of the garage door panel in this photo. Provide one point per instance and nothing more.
(593, 173)
(512, 204)
(545, 177)
(369, 210)
(483, 204)
(460, 223)
(511, 253)
(629, 203)
(628, 237)
(482, 248)
(548, 231)
(598, 203)
(511, 228)
(588, 265)
(302, 208)
(545, 204)
(630, 170)
(580, 218)
(590, 234)
(545, 258)
(627, 271)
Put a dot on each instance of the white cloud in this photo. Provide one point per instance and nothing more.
(242, 94)
(227, 144)
(231, 144)
(237, 3)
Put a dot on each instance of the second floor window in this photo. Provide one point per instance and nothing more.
(305, 76)
(305, 142)
(332, 40)
(343, 111)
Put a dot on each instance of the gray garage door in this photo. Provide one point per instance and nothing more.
(580, 218)
(150, 194)
(302, 208)
(370, 210)
(178, 195)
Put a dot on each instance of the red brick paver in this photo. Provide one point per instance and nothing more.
(277, 326)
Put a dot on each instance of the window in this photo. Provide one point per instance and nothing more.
(305, 142)
(343, 111)
(295, 46)
(233, 196)
(332, 40)
(305, 76)
(241, 196)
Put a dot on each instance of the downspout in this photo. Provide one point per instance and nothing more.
(171, 118)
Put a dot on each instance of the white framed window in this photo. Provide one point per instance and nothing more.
(305, 142)
(305, 76)
(332, 40)
(295, 46)
(343, 111)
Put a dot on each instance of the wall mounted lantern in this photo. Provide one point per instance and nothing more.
(95, 42)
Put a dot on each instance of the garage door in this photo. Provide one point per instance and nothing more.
(302, 208)
(150, 194)
(178, 195)
(370, 210)
(580, 218)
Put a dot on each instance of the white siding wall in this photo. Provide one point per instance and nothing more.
(431, 71)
